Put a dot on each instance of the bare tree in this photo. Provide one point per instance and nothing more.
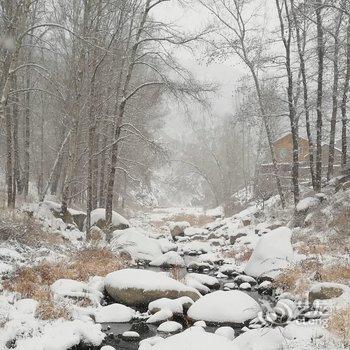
(232, 18)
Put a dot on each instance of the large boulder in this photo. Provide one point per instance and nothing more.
(221, 307)
(177, 228)
(135, 241)
(135, 287)
(79, 218)
(332, 295)
(273, 253)
(98, 218)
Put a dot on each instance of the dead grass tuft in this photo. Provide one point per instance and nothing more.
(49, 310)
(22, 227)
(335, 273)
(297, 279)
(175, 273)
(82, 265)
(241, 255)
(311, 249)
(339, 325)
(293, 280)
(193, 220)
(34, 282)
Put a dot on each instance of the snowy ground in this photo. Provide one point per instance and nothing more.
(192, 254)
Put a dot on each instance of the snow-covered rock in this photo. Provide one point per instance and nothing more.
(196, 246)
(160, 316)
(273, 253)
(233, 307)
(114, 313)
(177, 228)
(98, 218)
(194, 338)
(166, 245)
(307, 203)
(75, 289)
(260, 339)
(169, 327)
(244, 278)
(330, 295)
(245, 286)
(174, 305)
(195, 231)
(136, 243)
(227, 332)
(130, 335)
(168, 259)
(140, 287)
(202, 282)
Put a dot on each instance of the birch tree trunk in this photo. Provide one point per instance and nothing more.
(319, 106)
(286, 35)
(343, 105)
(334, 97)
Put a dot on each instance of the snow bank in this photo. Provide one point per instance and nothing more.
(307, 203)
(224, 307)
(194, 338)
(217, 212)
(273, 252)
(76, 289)
(62, 335)
(261, 339)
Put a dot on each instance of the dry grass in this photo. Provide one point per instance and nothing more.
(339, 325)
(311, 249)
(293, 280)
(297, 279)
(241, 255)
(34, 282)
(340, 221)
(27, 230)
(175, 273)
(335, 273)
(193, 220)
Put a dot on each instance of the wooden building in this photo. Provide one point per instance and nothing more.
(283, 147)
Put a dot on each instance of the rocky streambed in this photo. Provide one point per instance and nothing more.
(230, 306)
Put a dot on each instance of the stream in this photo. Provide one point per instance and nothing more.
(114, 331)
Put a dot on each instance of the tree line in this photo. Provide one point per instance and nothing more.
(82, 87)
